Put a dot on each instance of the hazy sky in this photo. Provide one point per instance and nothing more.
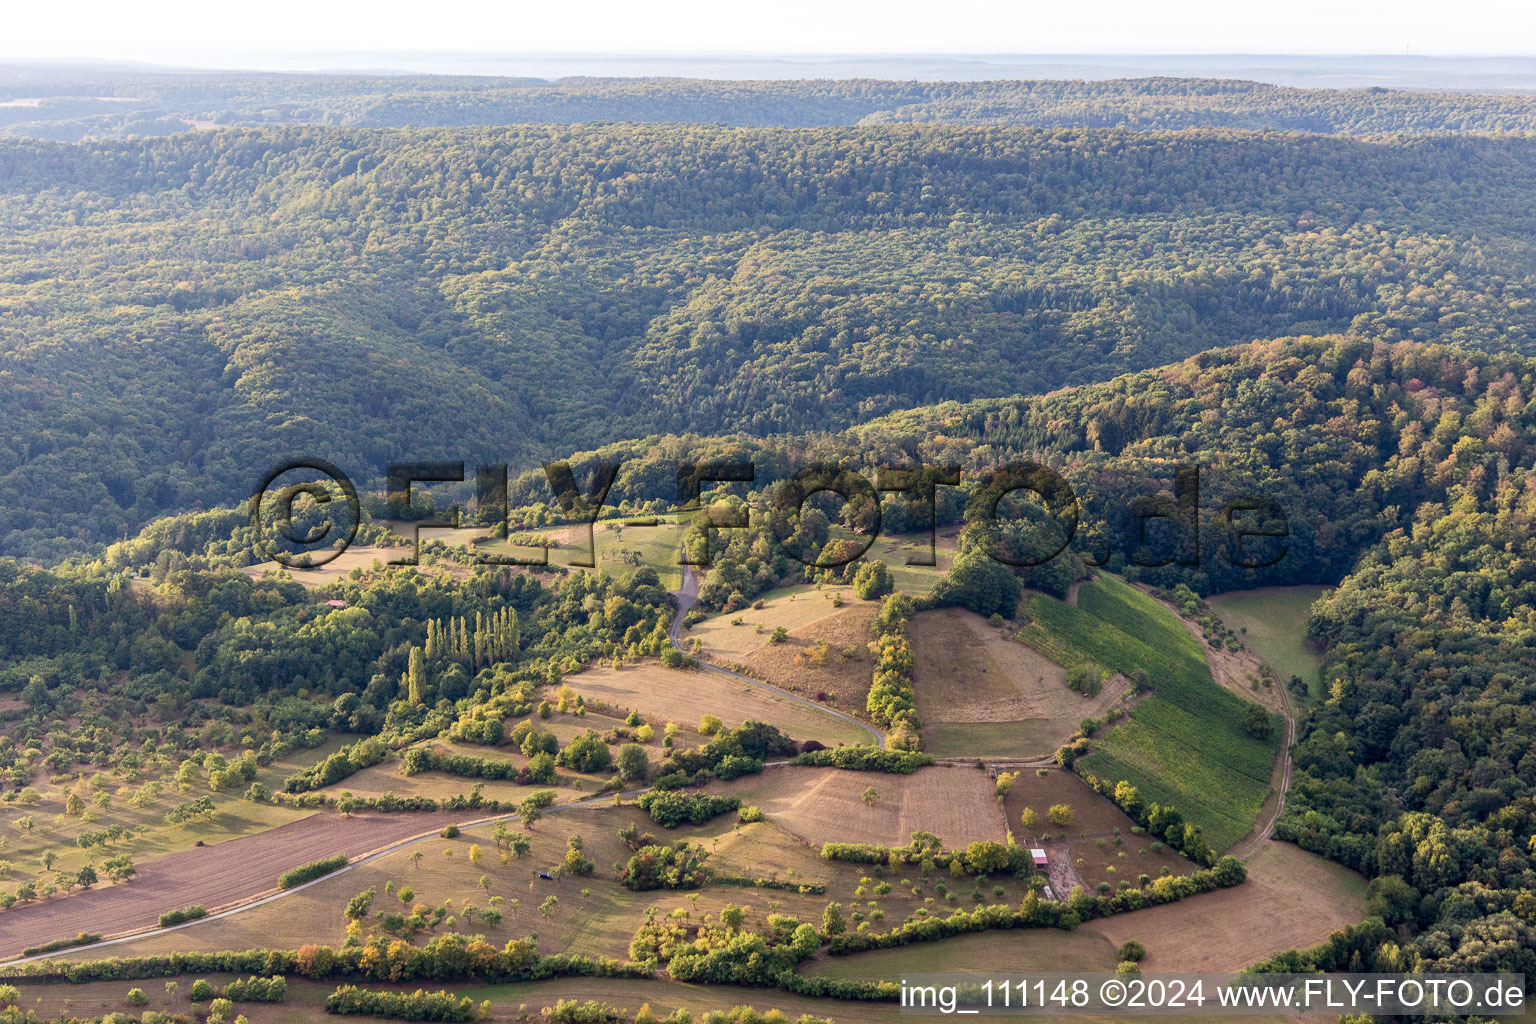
(207, 32)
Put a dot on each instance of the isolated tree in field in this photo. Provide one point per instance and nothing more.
(485, 883)
(1256, 722)
(632, 763)
(1060, 815)
(1005, 781)
(872, 579)
(1028, 817)
(119, 868)
(49, 859)
(832, 922)
(136, 997)
(548, 906)
(529, 813)
(869, 796)
(26, 823)
(406, 894)
(170, 989)
(357, 906)
(475, 853)
(779, 635)
(416, 860)
(73, 805)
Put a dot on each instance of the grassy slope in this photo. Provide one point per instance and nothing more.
(1183, 745)
(1273, 622)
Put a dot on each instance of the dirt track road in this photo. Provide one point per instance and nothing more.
(686, 597)
(213, 876)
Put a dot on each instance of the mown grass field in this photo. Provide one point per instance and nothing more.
(980, 692)
(1272, 621)
(663, 695)
(1185, 744)
(824, 805)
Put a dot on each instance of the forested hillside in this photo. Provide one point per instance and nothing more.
(72, 104)
(1403, 470)
(180, 313)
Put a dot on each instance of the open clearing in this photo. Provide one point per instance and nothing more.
(662, 695)
(824, 805)
(799, 609)
(981, 692)
(829, 655)
(1273, 622)
(213, 876)
(1292, 898)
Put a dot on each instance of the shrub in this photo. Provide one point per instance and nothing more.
(449, 832)
(83, 939)
(311, 871)
(174, 917)
(201, 991)
(257, 989)
(1132, 950)
(136, 997)
(679, 866)
(751, 814)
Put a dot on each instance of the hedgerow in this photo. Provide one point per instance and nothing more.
(349, 760)
(445, 958)
(892, 702)
(311, 871)
(418, 1005)
(192, 913)
(866, 759)
(1034, 912)
(83, 939)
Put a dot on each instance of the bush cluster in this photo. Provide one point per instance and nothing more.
(671, 808)
(418, 1005)
(311, 871)
(173, 917)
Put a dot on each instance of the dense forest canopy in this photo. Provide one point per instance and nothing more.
(73, 104)
(181, 313)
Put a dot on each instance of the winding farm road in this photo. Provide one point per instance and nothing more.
(236, 876)
(686, 598)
